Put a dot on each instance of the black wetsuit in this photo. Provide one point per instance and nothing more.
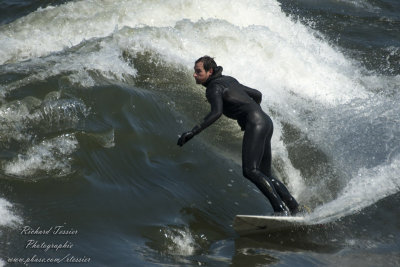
(236, 101)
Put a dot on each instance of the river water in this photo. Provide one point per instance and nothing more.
(93, 96)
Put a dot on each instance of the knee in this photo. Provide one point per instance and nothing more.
(246, 173)
(251, 174)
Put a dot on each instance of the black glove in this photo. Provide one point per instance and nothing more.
(185, 137)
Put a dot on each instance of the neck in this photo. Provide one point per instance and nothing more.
(217, 72)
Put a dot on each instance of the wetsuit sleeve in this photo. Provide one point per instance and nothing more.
(214, 97)
(253, 93)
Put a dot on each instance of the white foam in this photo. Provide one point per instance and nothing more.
(280, 62)
(294, 179)
(33, 35)
(50, 156)
(360, 4)
(103, 58)
(366, 188)
(12, 116)
(7, 216)
(181, 242)
(282, 54)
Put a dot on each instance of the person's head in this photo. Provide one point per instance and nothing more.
(203, 68)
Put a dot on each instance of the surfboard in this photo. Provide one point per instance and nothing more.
(248, 224)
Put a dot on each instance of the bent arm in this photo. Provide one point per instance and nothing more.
(253, 93)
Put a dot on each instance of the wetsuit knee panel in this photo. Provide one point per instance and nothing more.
(253, 175)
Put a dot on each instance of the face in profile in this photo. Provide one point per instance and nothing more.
(200, 74)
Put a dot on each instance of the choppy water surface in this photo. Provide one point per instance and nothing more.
(93, 95)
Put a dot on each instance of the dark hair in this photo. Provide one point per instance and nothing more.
(208, 63)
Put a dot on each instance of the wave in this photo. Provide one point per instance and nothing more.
(102, 18)
(315, 94)
(367, 187)
(27, 130)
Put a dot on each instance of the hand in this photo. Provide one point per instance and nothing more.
(185, 137)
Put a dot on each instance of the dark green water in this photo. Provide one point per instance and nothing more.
(95, 93)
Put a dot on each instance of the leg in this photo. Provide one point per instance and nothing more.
(265, 168)
(286, 197)
(252, 152)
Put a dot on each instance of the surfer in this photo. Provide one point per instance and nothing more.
(236, 101)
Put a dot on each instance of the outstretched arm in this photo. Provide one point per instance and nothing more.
(214, 97)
